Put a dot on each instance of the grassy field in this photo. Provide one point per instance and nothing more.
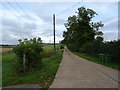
(44, 75)
(96, 60)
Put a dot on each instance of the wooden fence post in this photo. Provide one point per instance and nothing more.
(24, 62)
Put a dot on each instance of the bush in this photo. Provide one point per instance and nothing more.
(61, 46)
(29, 54)
(97, 47)
(48, 53)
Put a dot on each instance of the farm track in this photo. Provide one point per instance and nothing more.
(76, 72)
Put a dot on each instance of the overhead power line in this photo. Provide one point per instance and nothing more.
(17, 12)
(9, 10)
(24, 11)
(14, 7)
(68, 8)
(21, 9)
(14, 14)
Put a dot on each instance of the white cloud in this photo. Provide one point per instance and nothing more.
(108, 36)
(40, 24)
(63, 0)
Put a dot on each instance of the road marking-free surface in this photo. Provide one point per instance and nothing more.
(76, 72)
(22, 87)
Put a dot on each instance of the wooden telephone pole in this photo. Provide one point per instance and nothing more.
(54, 32)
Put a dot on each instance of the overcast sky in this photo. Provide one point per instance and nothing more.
(36, 19)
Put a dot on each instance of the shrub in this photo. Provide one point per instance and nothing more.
(48, 53)
(29, 53)
(111, 48)
(61, 46)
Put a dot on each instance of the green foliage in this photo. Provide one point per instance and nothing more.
(48, 51)
(61, 46)
(83, 36)
(81, 29)
(8, 67)
(96, 60)
(111, 48)
(31, 51)
(43, 75)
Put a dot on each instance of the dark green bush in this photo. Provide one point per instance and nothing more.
(29, 53)
(61, 46)
(48, 54)
(111, 48)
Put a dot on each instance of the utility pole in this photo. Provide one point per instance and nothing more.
(54, 31)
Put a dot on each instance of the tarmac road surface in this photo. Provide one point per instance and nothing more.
(76, 72)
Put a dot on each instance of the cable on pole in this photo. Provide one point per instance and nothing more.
(18, 13)
(69, 8)
(14, 14)
(23, 11)
(14, 7)
(21, 8)
(9, 10)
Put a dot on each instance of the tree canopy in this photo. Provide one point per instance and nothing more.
(81, 29)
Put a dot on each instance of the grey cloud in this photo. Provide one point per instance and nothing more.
(119, 29)
(12, 31)
(28, 17)
(59, 33)
(60, 21)
(47, 19)
(110, 19)
(9, 22)
(49, 33)
(12, 36)
(110, 27)
(12, 41)
(29, 26)
(50, 7)
(7, 39)
(110, 36)
(13, 26)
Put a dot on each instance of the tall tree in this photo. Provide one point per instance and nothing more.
(81, 29)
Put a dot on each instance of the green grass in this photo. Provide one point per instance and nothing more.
(8, 71)
(96, 60)
(48, 50)
(43, 75)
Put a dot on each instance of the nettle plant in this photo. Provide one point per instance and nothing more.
(29, 54)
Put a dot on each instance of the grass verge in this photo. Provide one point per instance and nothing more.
(96, 60)
(43, 75)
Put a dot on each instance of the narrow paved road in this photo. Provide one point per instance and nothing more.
(76, 72)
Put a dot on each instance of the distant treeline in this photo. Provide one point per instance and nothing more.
(11, 46)
(7, 46)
